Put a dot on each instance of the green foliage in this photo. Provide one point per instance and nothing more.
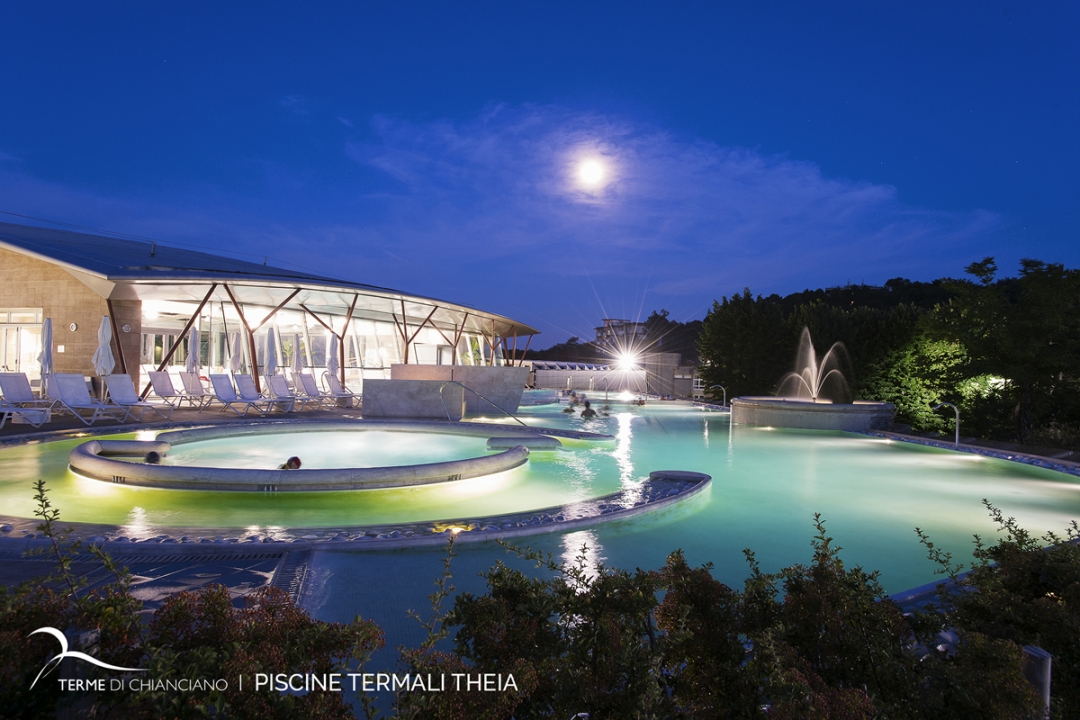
(664, 335)
(746, 345)
(193, 635)
(817, 640)
(1022, 591)
(1025, 330)
(1005, 351)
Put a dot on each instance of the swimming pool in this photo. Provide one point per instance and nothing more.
(766, 486)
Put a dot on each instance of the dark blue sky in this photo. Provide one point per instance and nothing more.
(436, 147)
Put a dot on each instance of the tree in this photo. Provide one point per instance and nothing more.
(1025, 330)
(745, 345)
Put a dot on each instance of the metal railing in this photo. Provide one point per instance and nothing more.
(466, 387)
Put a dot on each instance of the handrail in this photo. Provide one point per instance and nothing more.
(466, 387)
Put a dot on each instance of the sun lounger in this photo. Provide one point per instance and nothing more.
(75, 398)
(310, 388)
(19, 400)
(279, 389)
(17, 391)
(193, 386)
(245, 388)
(225, 393)
(337, 392)
(164, 389)
(122, 392)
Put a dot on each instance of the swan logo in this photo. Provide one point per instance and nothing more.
(75, 654)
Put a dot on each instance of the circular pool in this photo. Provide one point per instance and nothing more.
(344, 455)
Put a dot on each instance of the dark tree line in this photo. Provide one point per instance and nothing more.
(1007, 351)
(662, 334)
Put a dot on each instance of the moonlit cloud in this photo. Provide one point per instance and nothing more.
(689, 220)
(492, 211)
(295, 104)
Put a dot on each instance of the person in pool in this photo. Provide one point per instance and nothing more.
(292, 463)
(588, 412)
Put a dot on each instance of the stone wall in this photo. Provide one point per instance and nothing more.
(27, 282)
(502, 385)
(859, 416)
(413, 399)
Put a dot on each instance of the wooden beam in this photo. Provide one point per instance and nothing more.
(180, 337)
(341, 341)
(251, 341)
(318, 319)
(409, 338)
(341, 337)
(275, 310)
(457, 337)
(526, 350)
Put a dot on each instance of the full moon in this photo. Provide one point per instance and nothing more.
(591, 172)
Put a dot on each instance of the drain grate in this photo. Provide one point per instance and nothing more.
(132, 558)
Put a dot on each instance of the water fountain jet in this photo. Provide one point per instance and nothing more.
(815, 396)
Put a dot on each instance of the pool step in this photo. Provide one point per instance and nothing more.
(291, 573)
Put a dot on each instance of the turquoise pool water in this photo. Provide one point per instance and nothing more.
(766, 486)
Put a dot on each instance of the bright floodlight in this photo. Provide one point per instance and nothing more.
(627, 361)
(591, 173)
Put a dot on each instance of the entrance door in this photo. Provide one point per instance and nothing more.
(20, 346)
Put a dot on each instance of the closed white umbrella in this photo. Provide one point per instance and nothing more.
(235, 355)
(103, 357)
(193, 351)
(297, 358)
(45, 358)
(271, 353)
(332, 365)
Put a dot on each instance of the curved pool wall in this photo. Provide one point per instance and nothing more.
(767, 483)
(859, 416)
(95, 459)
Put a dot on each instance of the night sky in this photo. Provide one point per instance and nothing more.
(556, 162)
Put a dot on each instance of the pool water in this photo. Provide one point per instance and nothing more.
(767, 484)
(371, 448)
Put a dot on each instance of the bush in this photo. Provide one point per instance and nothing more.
(193, 635)
(816, 640)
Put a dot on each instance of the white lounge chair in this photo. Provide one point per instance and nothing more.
(75, 398)
(337, 391)
(193, 386)
(225, 393)
(245, 388)
(310, 388)
(164, 389)
(122, 392)
(19, 400)
(279, 389)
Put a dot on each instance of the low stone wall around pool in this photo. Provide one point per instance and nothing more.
(94, 459)
(803, 414)
(662, 489)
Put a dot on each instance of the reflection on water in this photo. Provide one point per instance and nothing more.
(137, 526)
(623, 438)
(582, 550)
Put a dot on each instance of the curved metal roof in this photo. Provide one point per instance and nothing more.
(119, 268)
